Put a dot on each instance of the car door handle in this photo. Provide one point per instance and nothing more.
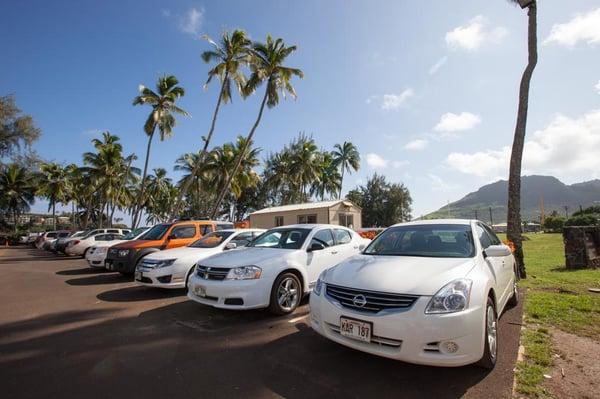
(356, 247)
(334, 252)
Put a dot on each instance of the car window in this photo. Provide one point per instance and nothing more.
(205, 229)
(342, 236)
(186, 231)
(323, 237)
(157, 232)
(103, 237)
(493, 237)
(112, 231)
(211, 240)
(482, 235)
(243, 239)
(224, 226)
(290, 238)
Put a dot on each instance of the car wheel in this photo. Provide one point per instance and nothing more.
(490, 351)
(187, 278)
(514, 299)
(85, 253)
(285, 294)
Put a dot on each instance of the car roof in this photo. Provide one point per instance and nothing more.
(437, 221)
(310, 226)
(238, 230)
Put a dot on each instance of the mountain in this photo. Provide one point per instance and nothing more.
(555, 193)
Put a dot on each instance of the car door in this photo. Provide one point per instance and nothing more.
(508, 266)
(495, 263)
(317, 261)
(181, 235)
(347, 243)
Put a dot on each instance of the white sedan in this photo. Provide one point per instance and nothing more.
(80, 246)
(275, 270)
(171, 268)
(427, 292)
(96, 254)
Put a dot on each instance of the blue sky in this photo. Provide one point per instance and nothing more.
(426, 90)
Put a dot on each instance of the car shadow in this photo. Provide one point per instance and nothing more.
(100, 279)
(139, 293)
(84, 271)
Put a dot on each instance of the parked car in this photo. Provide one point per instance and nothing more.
(62, 242)
(48, 235)
(275, 270)
(426, 292)
(171, 268)
(85, 234)
(80, 246)
(49, 242)
(96, 255)
(124, 257)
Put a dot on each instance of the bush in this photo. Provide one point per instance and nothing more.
(554, 223)
(583, 220)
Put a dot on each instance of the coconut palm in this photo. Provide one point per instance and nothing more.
(17, 191)
(54, 184)
(305, 164)
(329, 180)
(162, 117)
(347, 158)
(514, 175)
(266, 64)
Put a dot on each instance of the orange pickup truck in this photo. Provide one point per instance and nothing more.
(125, 256)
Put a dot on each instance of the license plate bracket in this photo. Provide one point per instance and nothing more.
(359, 330)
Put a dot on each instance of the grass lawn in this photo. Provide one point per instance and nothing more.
(556, 297)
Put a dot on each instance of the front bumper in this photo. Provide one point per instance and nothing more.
(96, 259)
(230, 294)
(123, 264)
(164, 277)
(408, 335)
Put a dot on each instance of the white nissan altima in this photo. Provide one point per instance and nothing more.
(427, 292)
(172, 267)
(275, 270)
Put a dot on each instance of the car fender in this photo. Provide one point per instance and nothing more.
(143, 252)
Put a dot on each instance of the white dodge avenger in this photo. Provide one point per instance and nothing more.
(427, 292)
(275, 270)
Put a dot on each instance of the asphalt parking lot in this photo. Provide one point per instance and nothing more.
(67, 331)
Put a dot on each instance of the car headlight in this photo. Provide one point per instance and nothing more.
(165, 262)
(244, 273)
(453, 297)
(319, 285)
(101, 250)
(123, 252)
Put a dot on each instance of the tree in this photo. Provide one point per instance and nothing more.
(514, 177)
(304, 167)
(162, 117)
(16, 130)
(347, 158)
(329, 180)
(230, 54)
(266, 64)
(53, 184)
(17, 191)
(382, 203)
(554, 223)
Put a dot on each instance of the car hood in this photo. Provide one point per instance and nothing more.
(398, 274)
(184, 253)
(130, 244)
(248, 256)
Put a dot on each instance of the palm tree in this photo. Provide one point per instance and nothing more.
(17, 191)
(329, 180)
(54, 184)
(346, 156)
(161, 117)
(305, 163)
(266, 64)
(514, 175)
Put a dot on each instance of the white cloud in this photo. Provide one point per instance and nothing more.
(567, 148)
(191, 21)
(93, 132)
(376, 161)
(451, 123)
(436, 67)
(473, 35)
(439, 184)
(390, 102)
(582, 28)
(165, 12)
(416, 145)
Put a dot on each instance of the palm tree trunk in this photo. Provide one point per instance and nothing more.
(53, 215)
(16, 219)
(112, 212)
(514, 177)
(341, 182)
(141, 196)
(240, 158)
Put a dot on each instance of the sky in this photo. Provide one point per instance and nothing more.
(427, 90)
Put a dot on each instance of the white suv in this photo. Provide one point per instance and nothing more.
(275, 270)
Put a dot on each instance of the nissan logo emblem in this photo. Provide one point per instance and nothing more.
(359, 300)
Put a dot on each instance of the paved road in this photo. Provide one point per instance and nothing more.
(67, 331)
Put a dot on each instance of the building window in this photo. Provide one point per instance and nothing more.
(278, 221)
(347, 220)
(305, 219)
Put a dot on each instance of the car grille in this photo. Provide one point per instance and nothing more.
(372, 301)
(211, 273)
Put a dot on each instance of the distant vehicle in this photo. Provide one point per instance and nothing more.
(96, 255)
(427, 292)
(86, 233)
(50, 240)
(124, 257)
(172, 267)
(61, 243)
(80, 246)
(275, 270)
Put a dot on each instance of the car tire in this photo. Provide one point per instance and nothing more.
(286, 294)
(187, 278)
(514, 299)
(490, 336)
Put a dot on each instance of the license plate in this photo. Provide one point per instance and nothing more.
(200, 291)
(356, 329)
(108, 265)
(138, 275)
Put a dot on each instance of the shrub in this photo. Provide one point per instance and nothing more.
(554, 223)
(582, 220)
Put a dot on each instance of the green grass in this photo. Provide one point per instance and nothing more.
(556, 298)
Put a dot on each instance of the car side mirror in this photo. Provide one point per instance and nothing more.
(231, 245)
(497, 251)
(315, 246)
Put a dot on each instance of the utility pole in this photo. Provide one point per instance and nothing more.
(566, 212)
(476, 218)
(491, 219)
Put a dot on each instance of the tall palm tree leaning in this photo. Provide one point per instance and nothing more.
(514, 175)
(346, 156)
(230, 55)
(161, 117)
(266, 64)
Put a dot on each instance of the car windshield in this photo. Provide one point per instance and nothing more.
(428, 240)
(211, 240)
(157, 232)
(291, 238)
(132, 234)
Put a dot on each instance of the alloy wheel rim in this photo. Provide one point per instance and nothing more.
(491, 332)
(288, 293)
